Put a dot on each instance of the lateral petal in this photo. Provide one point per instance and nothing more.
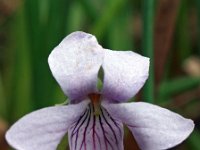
(44, 128)
(75, 63)
(153, 127)
(125, 72)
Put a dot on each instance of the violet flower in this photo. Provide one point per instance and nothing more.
(94, 119)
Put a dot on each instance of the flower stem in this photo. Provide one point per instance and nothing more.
(148, 22)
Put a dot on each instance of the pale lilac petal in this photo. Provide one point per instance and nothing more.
(43, 129)
(96, 132)
(75, 63)
(124, 74)
(153, 127)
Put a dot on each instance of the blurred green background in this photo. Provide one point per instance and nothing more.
(167, 31)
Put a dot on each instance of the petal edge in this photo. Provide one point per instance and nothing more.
(44, 128)
(75, 63)
(125, 72)
(153, 127)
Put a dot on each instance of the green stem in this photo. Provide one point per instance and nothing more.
(148, 22)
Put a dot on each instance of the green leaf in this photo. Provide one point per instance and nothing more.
(112, 10)
(176, 86)
(120, 34)
(89, 9)
(183, 37)
(20, 95)
(76, 17)
(64, 143)
(193, 140)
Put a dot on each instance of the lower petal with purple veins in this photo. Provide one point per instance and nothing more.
(96, 132)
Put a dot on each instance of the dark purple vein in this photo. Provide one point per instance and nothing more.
(116, 124)
(76, 132)
(105, 138)
(93, 129)
(109, 126)
(84, 134)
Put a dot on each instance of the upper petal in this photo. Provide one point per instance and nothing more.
(96, 132)
(125, 72)
(75, 63)
(153, 127)
(44, 129)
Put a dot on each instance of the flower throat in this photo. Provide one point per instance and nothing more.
(96, 102)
